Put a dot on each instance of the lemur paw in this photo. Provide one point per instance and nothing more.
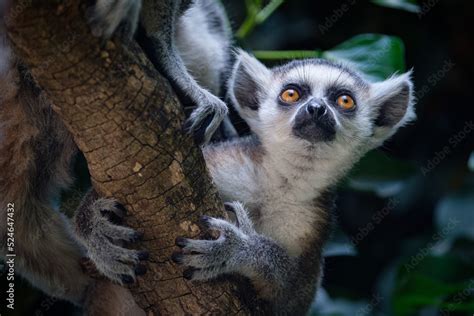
(209, 106)
(103, 238)
(207, 259)
(106, 16)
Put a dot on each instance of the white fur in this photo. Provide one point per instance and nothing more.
(260, 74)
(203, 50)
(386, 89)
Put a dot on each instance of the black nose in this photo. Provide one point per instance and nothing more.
(316, 110)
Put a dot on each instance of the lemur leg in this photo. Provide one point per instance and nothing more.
(165, 56)
(35, 151)
(102, 238)
(207, 103)
(238, 249)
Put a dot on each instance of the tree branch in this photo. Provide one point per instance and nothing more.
(127, 121)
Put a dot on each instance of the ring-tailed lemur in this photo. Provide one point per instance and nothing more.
(36, 152)
(313, 120)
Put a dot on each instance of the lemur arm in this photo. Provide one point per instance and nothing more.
(159, 43)
(240, 249)
(158, 20)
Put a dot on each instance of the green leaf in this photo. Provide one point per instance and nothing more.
(458, 307)
(257, 14)
(434, 282)
(377, 56)
(285, 54)
(407, 5)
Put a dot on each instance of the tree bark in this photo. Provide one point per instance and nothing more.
(127, 121)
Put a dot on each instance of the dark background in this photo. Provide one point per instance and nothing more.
(404, 241)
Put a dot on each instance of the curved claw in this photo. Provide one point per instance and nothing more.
(102, 240)
(211, 106)
(211, 258)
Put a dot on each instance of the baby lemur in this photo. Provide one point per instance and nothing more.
(36, 150)
(313, 120)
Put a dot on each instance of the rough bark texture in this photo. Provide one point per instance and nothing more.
(127, 121)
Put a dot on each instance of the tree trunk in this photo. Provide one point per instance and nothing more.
(127, 121)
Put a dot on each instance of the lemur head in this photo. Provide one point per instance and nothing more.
(319, 106)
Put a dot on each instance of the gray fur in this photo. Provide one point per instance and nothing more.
(283, 177)
(102, 239)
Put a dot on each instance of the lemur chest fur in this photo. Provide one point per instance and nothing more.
(280, 204)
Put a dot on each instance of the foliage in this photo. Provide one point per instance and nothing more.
(376, 55)
(257, 13)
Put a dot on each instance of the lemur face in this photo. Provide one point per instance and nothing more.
(318, 100)
(319, 104)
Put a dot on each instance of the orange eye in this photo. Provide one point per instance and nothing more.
(290, 96)
(346, 102)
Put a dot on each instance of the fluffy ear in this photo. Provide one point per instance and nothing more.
(247, 84)
(393, 103)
